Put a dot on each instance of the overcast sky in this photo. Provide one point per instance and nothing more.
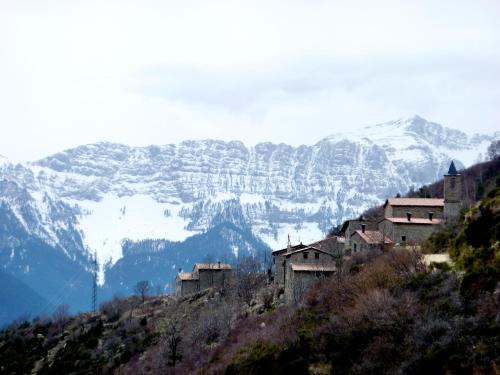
(156, 72)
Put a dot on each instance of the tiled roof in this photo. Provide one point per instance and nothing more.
(311, 267)
(187, 276)
(212, 266)
(294, 247)
(427, 202)
(324, 241)
(414, 220)
(373, 237)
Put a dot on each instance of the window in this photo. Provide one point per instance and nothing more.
(403, 238)
(305, 255)
(316, 255)
(355, 247)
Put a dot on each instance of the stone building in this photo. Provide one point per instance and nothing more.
(452, 193)
(407, 221)
(279, 260)
(333, 246)
(408, 230)
(418, 207)
(204, 276)
(299, 267)
(365, 240)
(351, 226)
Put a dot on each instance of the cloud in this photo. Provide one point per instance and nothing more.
(159, 72)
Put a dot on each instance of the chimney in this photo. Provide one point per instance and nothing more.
(218, 263)
(408, 216)
(363, 228)
(430, 215)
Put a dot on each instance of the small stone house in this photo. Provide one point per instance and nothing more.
(302, 268)
(367, 240)
(351, 226)
(204, 276)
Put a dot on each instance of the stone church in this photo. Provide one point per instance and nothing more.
(407, 221)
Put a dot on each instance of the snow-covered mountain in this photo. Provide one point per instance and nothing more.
(91, 198)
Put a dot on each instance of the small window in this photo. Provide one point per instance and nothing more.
(316, 255)
(305, 255)
(403, 238)
(355, 247)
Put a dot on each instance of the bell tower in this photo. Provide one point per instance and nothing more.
(452, 193)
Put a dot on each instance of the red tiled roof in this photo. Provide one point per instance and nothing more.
(427, 202)
(373, 236)
(414, 220)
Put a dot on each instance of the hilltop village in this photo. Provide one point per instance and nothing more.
(406, 222)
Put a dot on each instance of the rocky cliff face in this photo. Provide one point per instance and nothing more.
(91, 198)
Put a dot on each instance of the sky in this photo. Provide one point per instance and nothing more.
(157, 72)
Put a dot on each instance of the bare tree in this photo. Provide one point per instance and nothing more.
(171, 340)
(142, 289)
(60, 316)
(249, 279)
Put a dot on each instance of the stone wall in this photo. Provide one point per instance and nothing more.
(299, 283)
(361, 245)
(279, 270)
(416, 212)
(185, 287)
(453, 188)
(213, 278)
(414, 233)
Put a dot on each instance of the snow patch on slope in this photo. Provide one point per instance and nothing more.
(105, 224)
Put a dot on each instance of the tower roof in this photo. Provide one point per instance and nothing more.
(452, 171)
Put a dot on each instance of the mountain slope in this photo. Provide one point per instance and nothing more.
(92, 198)
(17, 300)
(158, 261)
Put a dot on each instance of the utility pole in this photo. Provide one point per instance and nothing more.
(94, 284)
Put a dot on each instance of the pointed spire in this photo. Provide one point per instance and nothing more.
(452, 171)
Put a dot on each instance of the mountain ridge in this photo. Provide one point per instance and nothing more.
(91, 198)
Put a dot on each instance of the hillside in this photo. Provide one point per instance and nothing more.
(382, 313)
